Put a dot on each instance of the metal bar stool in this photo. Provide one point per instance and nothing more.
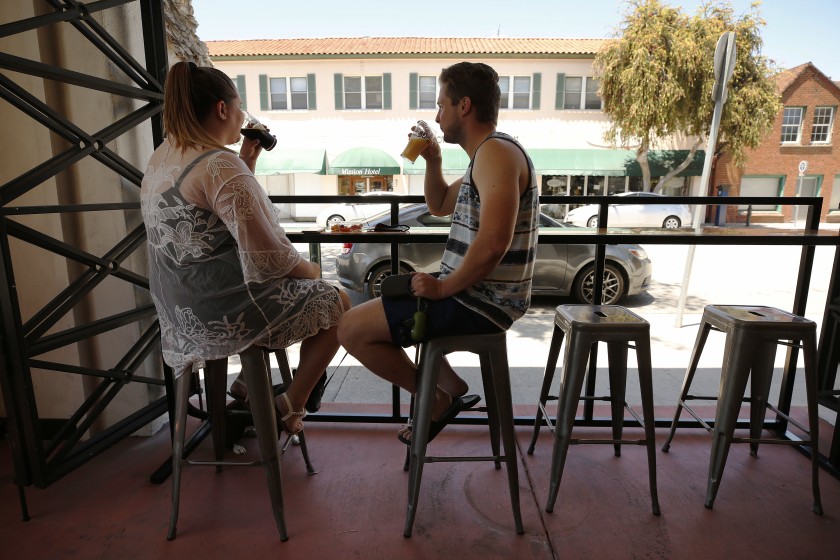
(584, 326)
(752, 335)
(492, 352)
(215, 373)
(258, 382)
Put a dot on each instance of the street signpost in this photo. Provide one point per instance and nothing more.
(724, 65)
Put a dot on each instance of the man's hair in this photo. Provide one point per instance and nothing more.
(477, 81)
(189, 95)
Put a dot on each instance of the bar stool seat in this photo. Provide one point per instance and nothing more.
(752, 335)
(584, 326)
(492, 352)
(258, 382)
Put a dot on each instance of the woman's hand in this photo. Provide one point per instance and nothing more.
(249, 152)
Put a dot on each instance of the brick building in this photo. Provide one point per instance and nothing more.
(803, 131)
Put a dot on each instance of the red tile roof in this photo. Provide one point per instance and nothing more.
(390, 46)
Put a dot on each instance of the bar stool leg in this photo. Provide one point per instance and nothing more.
(491, 397)
(571, 384)
(215, 375)
(764, 355)
(182, 395)
(737, 358)
(548, 377)
(809, 346)
(504, 402)
(261, 397)
(643, 359)
(427, 378)
(617, 359)
(702, 335)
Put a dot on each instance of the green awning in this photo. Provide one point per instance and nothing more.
(364, 161)
(455, 162)
(282, 161)
(617, 163)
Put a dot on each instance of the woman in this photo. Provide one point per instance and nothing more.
(222, 273)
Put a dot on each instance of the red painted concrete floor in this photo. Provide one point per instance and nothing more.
(355, 506)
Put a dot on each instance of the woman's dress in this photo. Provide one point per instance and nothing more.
(218, 260)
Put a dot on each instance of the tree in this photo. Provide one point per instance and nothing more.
(656, 81)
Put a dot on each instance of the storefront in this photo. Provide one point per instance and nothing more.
(593, 172)
(364, 169)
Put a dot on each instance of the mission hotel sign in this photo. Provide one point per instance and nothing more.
(359, 171)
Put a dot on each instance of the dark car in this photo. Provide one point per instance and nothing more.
(560, 269)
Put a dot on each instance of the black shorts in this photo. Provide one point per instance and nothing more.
(444, 317)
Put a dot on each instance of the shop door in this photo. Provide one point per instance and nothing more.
(805, 187)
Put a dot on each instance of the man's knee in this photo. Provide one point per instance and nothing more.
(359, 326)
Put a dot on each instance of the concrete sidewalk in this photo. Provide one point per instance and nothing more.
(724, 275)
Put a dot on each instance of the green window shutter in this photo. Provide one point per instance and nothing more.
(263, 92)
(412, 90)
(240, 87)
(310, 89)
(561, 91)
(535, 95)
(339, 91)
(386, 90)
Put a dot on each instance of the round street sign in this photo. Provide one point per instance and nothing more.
(803, 166)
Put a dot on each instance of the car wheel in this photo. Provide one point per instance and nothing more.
(373, 287)
(335, 219)
(671, 222)
(592, 222)
(613, 289)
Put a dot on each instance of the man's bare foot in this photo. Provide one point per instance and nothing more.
(443, 401)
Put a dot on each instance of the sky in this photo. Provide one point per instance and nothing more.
(797, 31)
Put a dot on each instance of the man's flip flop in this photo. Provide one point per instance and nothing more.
(436, 426)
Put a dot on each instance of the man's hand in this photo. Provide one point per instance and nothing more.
(427, 286)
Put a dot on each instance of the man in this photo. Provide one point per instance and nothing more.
(487, 266)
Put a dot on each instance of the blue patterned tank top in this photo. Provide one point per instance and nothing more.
(505, 294)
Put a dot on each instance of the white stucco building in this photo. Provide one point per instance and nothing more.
(342, 108)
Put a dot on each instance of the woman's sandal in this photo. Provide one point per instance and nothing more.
(291, 414)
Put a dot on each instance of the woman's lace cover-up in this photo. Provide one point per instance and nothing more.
(218, 260)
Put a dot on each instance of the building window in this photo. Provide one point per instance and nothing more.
(616, 185)
(288, 93)
(579, 92)
(593, 100)
(362, 92)
(821, 129)
(516, 92)
(791, 124)
(427, 92)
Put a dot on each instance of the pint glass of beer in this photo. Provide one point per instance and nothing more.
(417, 142)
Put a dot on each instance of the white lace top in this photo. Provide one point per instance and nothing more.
(218, 260)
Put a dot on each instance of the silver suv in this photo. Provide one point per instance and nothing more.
(560, 269)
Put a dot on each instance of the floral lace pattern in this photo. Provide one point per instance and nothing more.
(218, 260)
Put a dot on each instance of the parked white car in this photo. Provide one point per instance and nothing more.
(347, 211)
(669, 216)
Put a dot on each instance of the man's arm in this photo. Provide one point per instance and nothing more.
(496, 173)
(440, 195)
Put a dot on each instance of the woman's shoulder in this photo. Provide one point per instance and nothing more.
(227, 162)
